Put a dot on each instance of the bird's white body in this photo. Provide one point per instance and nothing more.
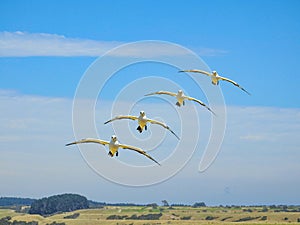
(113, 145)
(142, 120)
(215, 78)
(180, 98)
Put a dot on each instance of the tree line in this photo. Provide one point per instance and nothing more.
(14, 201)
(58, 203)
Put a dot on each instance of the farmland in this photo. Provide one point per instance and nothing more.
(142, 215)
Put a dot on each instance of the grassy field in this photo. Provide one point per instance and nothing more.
(7, 212)
(174, 215)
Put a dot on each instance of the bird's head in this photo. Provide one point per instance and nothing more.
(180, 92)
(214, 73)
(142, 113)
(114, 138)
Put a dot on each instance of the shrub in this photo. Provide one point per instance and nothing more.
(247, 219)
(55, 223)
(186, 217)
(5, 221)
(116, 217)
(24, 223)
(247, 210)
(145, 217)
(210, 218)
(73, 216)
(226, 218)
(264, 218)
(153, 205)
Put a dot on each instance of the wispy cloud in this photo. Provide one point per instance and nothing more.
(24, 44)
(254, 137)
(204, 51)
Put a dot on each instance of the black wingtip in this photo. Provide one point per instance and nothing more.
(247, 92)
(175, 135)
(213, 113)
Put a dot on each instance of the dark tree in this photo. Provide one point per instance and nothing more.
(5, 220)
(153, 205)
(13, 201)
(199, 204)
(165, 203)
(58, 203)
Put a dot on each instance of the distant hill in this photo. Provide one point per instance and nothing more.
(59, 203)
(14, 201)
(94, 204)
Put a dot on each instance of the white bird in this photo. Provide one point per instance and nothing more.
(113, 146)
(215, 78)
(180, 98)
(142, 121)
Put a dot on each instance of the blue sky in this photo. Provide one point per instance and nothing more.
(259, 39)
(46, 47)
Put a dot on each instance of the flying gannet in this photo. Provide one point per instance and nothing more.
(215, 78)
(142, 121)
(180, 98)
(113, 146)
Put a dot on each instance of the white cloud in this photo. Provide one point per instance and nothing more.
(209, 51)
(268, 124)
(254, 137)
(23, 44)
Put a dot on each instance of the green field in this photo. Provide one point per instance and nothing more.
(174, 215)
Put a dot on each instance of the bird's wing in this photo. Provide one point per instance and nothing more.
(197, 71)
(137, 150)
(122, 117)
(162, 93)
(235, 83)
(200, 102)
(163, 125)
(89, 140)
